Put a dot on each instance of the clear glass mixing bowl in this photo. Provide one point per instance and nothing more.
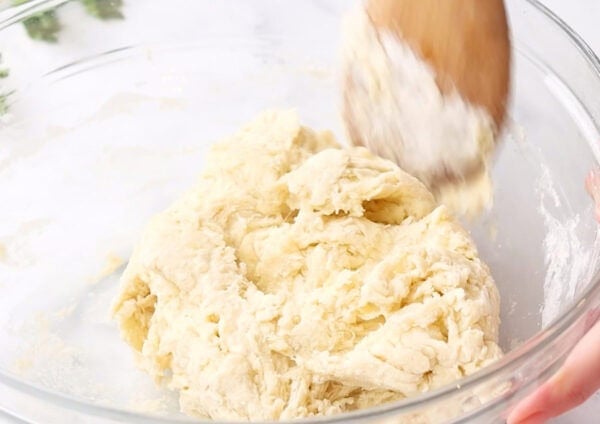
(108, 124)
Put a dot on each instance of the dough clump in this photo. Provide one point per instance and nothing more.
(298, 278)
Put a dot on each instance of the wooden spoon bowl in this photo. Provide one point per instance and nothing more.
(466, 43)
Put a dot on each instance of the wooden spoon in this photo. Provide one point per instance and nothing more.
(466, 42)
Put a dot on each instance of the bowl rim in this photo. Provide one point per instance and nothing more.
(585, 302)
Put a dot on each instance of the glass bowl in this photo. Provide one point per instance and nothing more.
(105, 121)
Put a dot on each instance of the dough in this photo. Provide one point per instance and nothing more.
(298, 278)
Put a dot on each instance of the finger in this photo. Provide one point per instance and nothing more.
(592, 185)
(538, 418)
(573, 384)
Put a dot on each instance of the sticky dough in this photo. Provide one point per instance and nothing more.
(297, 278)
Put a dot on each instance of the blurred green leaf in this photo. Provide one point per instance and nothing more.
(3, 104)
(4, 72)
(3, 97)
(104, 9)
(43, 26)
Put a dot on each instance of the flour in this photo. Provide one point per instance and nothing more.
(50, 361)
(395, 108)
(568, 263)
(112, 264)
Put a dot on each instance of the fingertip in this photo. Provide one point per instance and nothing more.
(533, 407)
(537, 418)
(597, 213)
(592, 183)
(573, 384)
(588, 186)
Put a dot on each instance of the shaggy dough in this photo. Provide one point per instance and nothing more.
(298, 278)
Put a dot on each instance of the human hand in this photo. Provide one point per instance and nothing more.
(579, 377)
(573, 384)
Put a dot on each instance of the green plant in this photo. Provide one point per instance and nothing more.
(3, 96)
(45, 26)
(104, 9)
